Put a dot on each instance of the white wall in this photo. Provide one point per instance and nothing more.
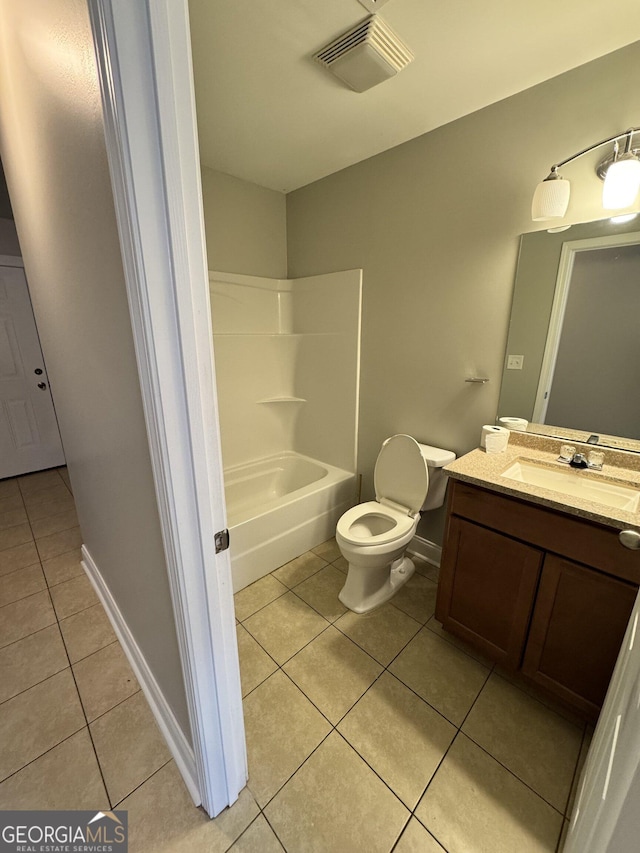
(434, 224)
(287, 366)
(246, 226)
(53, 150)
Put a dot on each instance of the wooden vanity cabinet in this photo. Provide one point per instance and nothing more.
(540, 592)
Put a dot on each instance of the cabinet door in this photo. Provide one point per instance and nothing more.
(576, 631)
(486, 590)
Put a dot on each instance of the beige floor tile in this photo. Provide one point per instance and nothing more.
(63, 567)
(86, 632)
(30, 661)
(474, 805)
(335, 802)
(72, 596)
(104, 679)
(381, 633)
(401, 737)
(445, 677)
(20, 584)
(65, 476)
(47, 508)
(11, 501)
(258, 838)
(255, 663)
(333, 672)
(298, 570)
(37, 720)
(328, 550)
(254, 597)
(129, 746)
(416, 839)
(26, 616)
(59, 543)
(56, 492)
(536, 744)
(427, 570)
(30, 483)
(417, 598)
(66, 777)
(282, 729)
(321, 590)
(286, 625)
(436, 627)
(341, 564)
(8, 488)
(18, 558)
(12, 517)
(563, 835)
(54, 523)
(163, 819)
(14, 536)
(542, 696)
(577, 778)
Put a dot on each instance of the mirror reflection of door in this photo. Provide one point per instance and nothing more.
(29, 436)
(592, 355)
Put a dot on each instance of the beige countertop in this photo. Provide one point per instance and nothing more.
(485, 469)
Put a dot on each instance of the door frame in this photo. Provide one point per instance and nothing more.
(143, 54)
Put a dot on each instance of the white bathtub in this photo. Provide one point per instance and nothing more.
(280, 507)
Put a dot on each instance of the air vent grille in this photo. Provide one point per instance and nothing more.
(366, 55)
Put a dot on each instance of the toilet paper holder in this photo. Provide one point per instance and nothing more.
(480, 380)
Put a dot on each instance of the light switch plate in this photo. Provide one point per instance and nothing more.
(515, 362)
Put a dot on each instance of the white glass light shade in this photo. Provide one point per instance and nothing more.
(621, 183)
(550, 200)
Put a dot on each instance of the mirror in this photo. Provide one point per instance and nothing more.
(566, 339)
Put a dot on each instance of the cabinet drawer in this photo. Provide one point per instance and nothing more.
(580, 540)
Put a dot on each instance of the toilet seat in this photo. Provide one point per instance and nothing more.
(358, 525)
(401, 475)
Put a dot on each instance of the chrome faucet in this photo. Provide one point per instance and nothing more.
(577, 459)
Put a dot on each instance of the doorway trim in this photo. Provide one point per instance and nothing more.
(561, 294)
(143, 54)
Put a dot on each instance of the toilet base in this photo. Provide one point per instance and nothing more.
(366, 589)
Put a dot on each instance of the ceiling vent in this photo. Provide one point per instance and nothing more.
(366, 55)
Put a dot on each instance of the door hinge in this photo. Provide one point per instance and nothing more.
(222, 540)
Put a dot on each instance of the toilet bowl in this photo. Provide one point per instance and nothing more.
(373, 536)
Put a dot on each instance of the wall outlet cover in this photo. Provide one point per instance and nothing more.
(515, 362)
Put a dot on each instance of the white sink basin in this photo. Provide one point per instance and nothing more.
(579, 484)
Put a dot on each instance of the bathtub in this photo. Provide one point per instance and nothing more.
(280, 507)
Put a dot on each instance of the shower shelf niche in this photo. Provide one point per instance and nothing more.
(282, 400)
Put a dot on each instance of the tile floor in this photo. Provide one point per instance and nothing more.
(373, 733)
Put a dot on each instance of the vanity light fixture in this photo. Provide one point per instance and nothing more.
(620, 173)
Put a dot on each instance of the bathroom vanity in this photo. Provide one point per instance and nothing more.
(537, 579)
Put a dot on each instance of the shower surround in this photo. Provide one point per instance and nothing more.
(287, 356)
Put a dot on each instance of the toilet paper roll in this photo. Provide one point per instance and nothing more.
(491, 429)
(519, 424)
(496, 442)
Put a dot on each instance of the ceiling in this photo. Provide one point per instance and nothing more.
(269, 114)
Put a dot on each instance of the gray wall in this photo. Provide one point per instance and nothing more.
(533, 295)
(435, 225)
(597, 375)
(246, 226)
(52, 146)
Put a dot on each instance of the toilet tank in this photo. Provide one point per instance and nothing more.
(436, 458)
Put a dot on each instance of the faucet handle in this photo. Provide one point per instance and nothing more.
(595, 460)
(567, 452)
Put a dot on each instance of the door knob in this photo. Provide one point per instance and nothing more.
(43, 385)
(630, 539)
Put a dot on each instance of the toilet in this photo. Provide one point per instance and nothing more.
(373, 536)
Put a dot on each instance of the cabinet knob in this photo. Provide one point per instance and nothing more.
(630, 539)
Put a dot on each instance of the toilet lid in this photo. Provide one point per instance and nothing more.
(401, 473)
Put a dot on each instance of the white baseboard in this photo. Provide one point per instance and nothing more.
(429, 551)
(179, 746)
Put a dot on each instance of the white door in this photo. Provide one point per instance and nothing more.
(29, 436)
